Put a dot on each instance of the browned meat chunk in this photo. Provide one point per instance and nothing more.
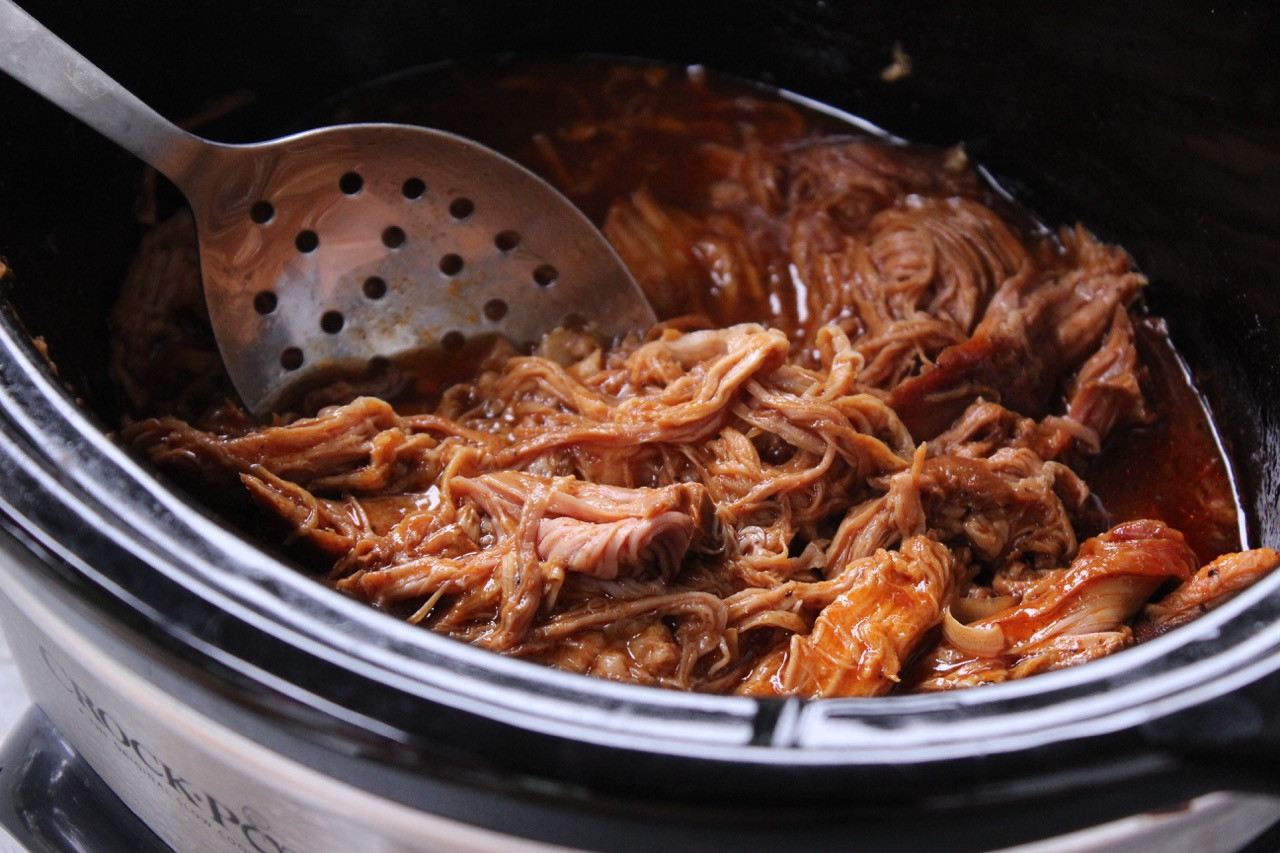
(860, 640)
(1036, 331)
(1216, 583)
(1107, 391)
(1068, 616)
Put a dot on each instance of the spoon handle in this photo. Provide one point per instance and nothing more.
(45, 64)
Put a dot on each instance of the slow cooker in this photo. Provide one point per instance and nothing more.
(230, 702)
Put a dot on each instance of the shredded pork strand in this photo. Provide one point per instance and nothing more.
(860, 425)
(1069, 615)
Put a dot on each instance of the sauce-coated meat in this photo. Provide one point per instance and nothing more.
(869, 448)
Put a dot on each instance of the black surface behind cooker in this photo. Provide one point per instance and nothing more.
(236, 703)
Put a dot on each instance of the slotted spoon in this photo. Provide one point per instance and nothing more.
(337, 247)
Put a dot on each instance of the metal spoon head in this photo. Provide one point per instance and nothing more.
(325, 251)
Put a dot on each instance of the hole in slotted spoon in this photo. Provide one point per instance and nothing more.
(545, 275)
(262, 212)
(461, 208)
(374, 287)
(291, 358)
(451, 264)
(307, 241)
(495, 309)
(393, 237)
(331, 322)
(506, 241)
(413, 188)
(452, 341)
(350, 183)
(264, 302)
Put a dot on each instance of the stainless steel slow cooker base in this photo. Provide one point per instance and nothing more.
(45, 775)
(196, 784)
(144, 771)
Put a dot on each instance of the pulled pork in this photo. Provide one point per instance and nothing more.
(851, 460)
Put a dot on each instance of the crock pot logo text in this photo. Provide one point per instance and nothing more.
(210, 809)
